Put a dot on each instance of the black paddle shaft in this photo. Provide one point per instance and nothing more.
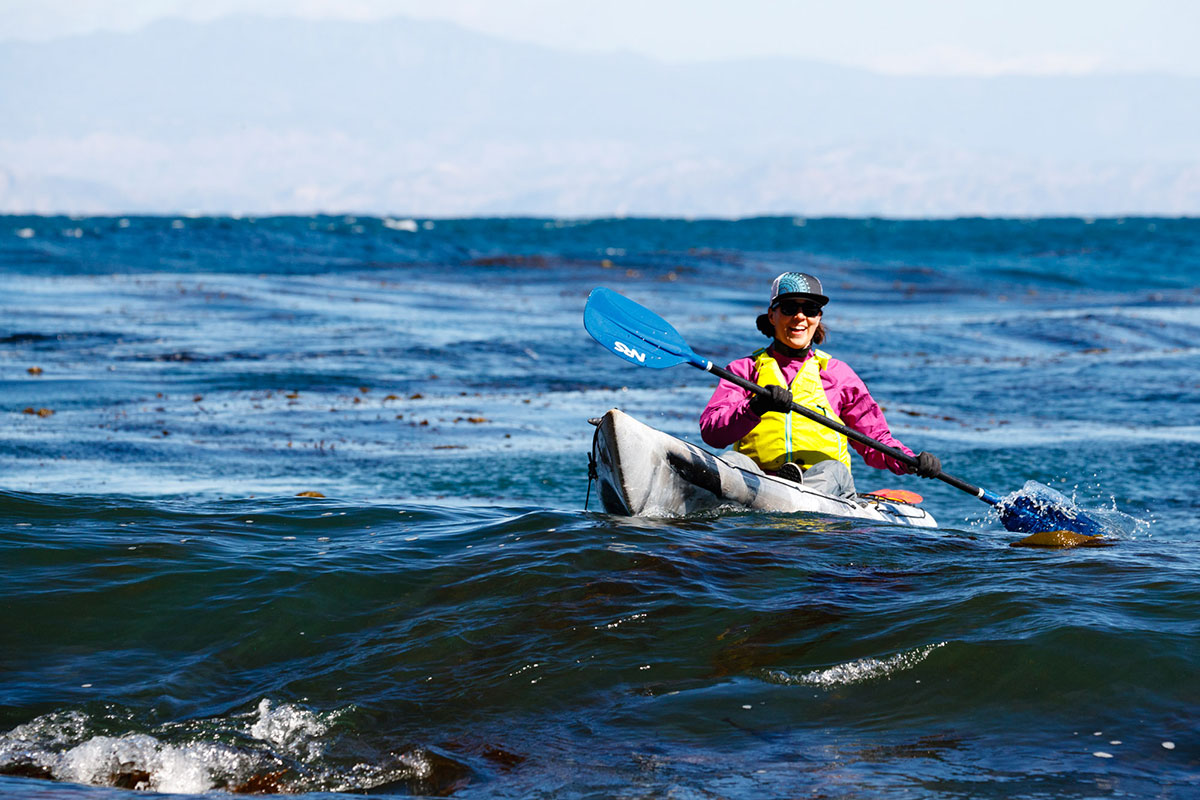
(849, 433)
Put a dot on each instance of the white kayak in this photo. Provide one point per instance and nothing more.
(643, 472)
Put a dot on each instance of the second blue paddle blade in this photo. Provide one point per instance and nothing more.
(634, 332)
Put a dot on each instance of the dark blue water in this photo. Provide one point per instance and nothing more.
(447, 619)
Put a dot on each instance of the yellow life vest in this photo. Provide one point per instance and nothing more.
(783, 437)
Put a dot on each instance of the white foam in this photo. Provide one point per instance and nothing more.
(291, 728)
(403, 766)
(864, 669)
(409, 225)
(168, 768)
(61, 744)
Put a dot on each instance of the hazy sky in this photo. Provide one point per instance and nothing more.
(980, 37)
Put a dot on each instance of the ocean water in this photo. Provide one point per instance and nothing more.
(446, 618)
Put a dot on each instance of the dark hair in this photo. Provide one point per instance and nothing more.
(767, 329)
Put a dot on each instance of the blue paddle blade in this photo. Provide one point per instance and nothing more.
(634, 332)
(1025, 514)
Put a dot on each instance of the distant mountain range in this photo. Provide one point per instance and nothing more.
(426, 118)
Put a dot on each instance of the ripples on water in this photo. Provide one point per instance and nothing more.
(447, 620)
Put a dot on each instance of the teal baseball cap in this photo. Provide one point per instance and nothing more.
(797, 284)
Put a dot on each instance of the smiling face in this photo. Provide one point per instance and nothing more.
(795, 330)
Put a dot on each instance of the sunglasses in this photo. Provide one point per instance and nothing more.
(807, 307)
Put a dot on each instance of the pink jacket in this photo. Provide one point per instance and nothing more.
(728, 417)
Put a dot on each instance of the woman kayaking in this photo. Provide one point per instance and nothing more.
(790, 368)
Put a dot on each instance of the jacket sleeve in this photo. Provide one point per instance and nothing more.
(728, 417)
(860, 412)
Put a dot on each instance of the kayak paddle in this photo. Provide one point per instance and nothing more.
(638, 335)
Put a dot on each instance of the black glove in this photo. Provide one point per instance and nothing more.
(928, 465)
(777, 398)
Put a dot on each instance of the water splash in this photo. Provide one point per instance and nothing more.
(1037, 507)
(282, 750)
(140, 761)
(293, 729)
(67, 747)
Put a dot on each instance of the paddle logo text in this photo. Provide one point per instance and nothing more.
(629, 352)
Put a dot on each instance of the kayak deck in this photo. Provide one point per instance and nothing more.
(644, 472)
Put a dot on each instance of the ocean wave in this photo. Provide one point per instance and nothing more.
(857, 671)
